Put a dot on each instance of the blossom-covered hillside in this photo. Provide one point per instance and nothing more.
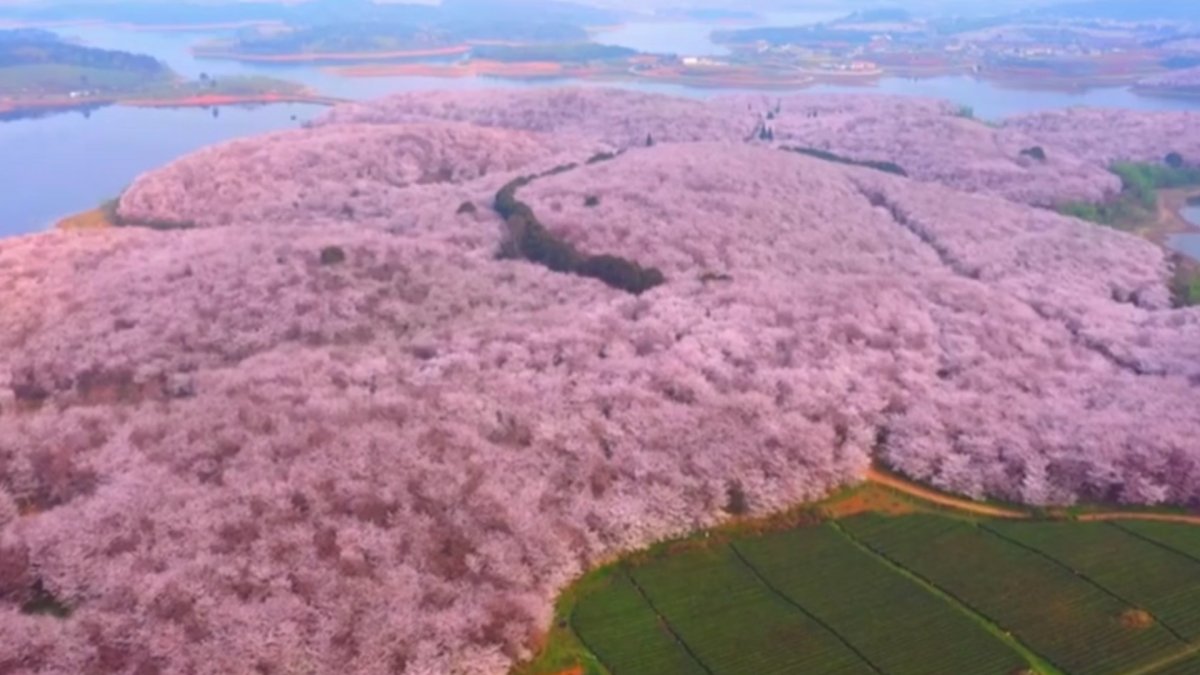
(1105, 136)
(354, 173)
(931, 140)
(300, 437)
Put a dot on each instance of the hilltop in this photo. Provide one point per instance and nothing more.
(318, 406)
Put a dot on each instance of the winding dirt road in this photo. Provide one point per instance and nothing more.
(930, 495)
(919, 491)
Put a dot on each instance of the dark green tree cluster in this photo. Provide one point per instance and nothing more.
(528, 239)
(34, 47)
(886, 167)
(333, 255)
(602, 157)
(1138, 200)
(1036, 152)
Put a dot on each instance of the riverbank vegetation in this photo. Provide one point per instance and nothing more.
(1149, 204)
(1137, 203)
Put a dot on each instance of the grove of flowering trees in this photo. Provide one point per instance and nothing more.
(298, 437)
(1104, 136)
(929, 139)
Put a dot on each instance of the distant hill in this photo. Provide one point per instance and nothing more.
(376, 36)
(29, 47)
(1124, 10)
(308, 13)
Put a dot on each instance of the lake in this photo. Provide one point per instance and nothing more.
(54, 166)
(58, 165)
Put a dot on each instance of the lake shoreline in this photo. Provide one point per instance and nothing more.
(11, 108)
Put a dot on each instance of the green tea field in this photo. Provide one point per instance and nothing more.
(895, 586)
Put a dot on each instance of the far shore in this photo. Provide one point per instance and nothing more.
(317, 57)
(1168, 92)
(730, 78)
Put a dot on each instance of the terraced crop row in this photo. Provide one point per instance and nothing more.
(700, 592)
(1075, 624)
(914, 595)
(804, 601)
(888, 617)
(1145, 575)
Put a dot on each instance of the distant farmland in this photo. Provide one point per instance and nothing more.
(878, 583)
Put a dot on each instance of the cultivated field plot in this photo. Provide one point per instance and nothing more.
(917, 594)
(1146, 575)
(1178, 537)
(1076, 625)
(735, 624)
(625, 633)
(887, 616)
(1188, 666)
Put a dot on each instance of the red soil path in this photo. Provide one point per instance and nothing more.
(1156, 517)
(942, 499)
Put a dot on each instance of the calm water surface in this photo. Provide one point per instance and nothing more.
(55, 166)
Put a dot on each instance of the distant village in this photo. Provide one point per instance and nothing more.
(1057, 54)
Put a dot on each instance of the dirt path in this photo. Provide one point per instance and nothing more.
(931, 495)
(1154, 517)
(962, 504)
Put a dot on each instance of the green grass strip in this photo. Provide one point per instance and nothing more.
(1039, 663)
